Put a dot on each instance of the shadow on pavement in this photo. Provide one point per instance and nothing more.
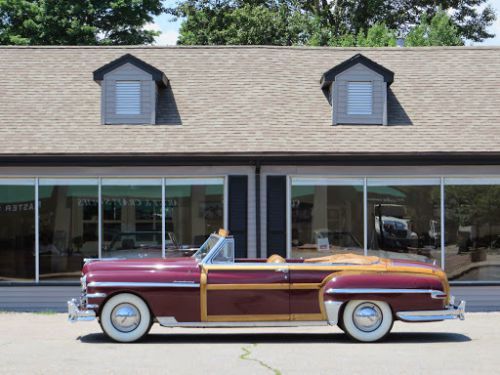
(284, 338)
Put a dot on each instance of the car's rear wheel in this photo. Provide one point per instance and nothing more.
(125, 318)
(367, 321)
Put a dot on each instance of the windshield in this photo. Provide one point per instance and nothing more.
(207, 246)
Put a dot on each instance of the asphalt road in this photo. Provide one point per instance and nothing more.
(48, 344)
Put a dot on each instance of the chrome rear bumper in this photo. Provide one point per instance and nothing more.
(77, 314)
(451, 312)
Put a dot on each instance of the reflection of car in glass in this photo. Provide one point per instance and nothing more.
(145, 244)
(393, 229)
(342, 239)
(435, 233)
(362, 295)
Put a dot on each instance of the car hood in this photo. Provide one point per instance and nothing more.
(106, 267)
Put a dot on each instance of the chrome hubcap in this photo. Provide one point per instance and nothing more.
(367, 317)
(125, 317)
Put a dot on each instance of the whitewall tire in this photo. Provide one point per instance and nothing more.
(125, 318)
(367, 321)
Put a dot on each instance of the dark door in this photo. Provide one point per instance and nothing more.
(245, 293)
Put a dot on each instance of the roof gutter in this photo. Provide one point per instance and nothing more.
(345, 159)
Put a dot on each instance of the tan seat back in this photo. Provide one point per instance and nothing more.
(275, 258)
(344, 258)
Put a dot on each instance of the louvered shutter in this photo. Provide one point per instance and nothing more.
(276, 215)
(359, 98)
(128, 97)
(237, 210)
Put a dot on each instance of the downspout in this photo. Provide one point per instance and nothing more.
(257, 210)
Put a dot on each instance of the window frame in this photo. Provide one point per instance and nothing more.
(106, 180)
(148, 97)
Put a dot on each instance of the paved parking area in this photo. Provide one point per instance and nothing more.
(48, 344)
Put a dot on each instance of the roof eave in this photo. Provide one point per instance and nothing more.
(156, 74)
(329, 77)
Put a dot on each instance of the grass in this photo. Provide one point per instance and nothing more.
(247, 351)
(45, 312)
(40, 312)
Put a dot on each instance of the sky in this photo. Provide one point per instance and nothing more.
(170, 29)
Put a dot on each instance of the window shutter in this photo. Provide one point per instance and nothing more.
(237, 210)
(276, 215)
(359, 98)
(128, 97)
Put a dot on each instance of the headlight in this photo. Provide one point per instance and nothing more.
(83, 281)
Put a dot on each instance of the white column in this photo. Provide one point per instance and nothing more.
(442, 223)
(37, 232)
(365, 216)
(99, 219)
(288, 205)
(163, 240)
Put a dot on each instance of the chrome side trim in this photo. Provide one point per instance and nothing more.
(90, 260)
(92, 306)
(114, 284)
(451, 312)
(168, 321)
(436, 294)
(332, 311)
(95, 295)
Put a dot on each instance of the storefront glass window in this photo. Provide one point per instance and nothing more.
(131, 218)
(472, 240)
(194, 208)
(404, 219)
(327, 217)
(17, 230)
(68, 226)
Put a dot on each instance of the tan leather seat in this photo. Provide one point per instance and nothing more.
(275, 258)
(344, 258)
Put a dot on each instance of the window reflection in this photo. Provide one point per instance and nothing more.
(194, 208)
(472, 246)
(404, 222)
(17, 231)
(68, 227)
(326, 219)
(131, 218)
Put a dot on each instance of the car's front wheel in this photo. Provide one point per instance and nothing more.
(125, 318)
(367, 321)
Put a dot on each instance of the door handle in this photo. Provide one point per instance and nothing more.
(284, 270)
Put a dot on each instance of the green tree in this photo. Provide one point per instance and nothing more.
(77, 22)
(249, 24)
(439, 32)
(379, 35)
(324, 22)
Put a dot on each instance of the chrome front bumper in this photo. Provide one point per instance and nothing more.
(77, 314)
(452, 311)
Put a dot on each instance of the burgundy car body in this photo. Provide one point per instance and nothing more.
(193, 292)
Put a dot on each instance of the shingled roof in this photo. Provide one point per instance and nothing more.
(249, 100)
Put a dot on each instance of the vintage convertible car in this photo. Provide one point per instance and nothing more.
(362, 295)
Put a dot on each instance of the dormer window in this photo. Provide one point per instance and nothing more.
(129, 91)
(359, 98)
(128, 97)
(357, 91)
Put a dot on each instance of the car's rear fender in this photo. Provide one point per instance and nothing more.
(403, 292)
